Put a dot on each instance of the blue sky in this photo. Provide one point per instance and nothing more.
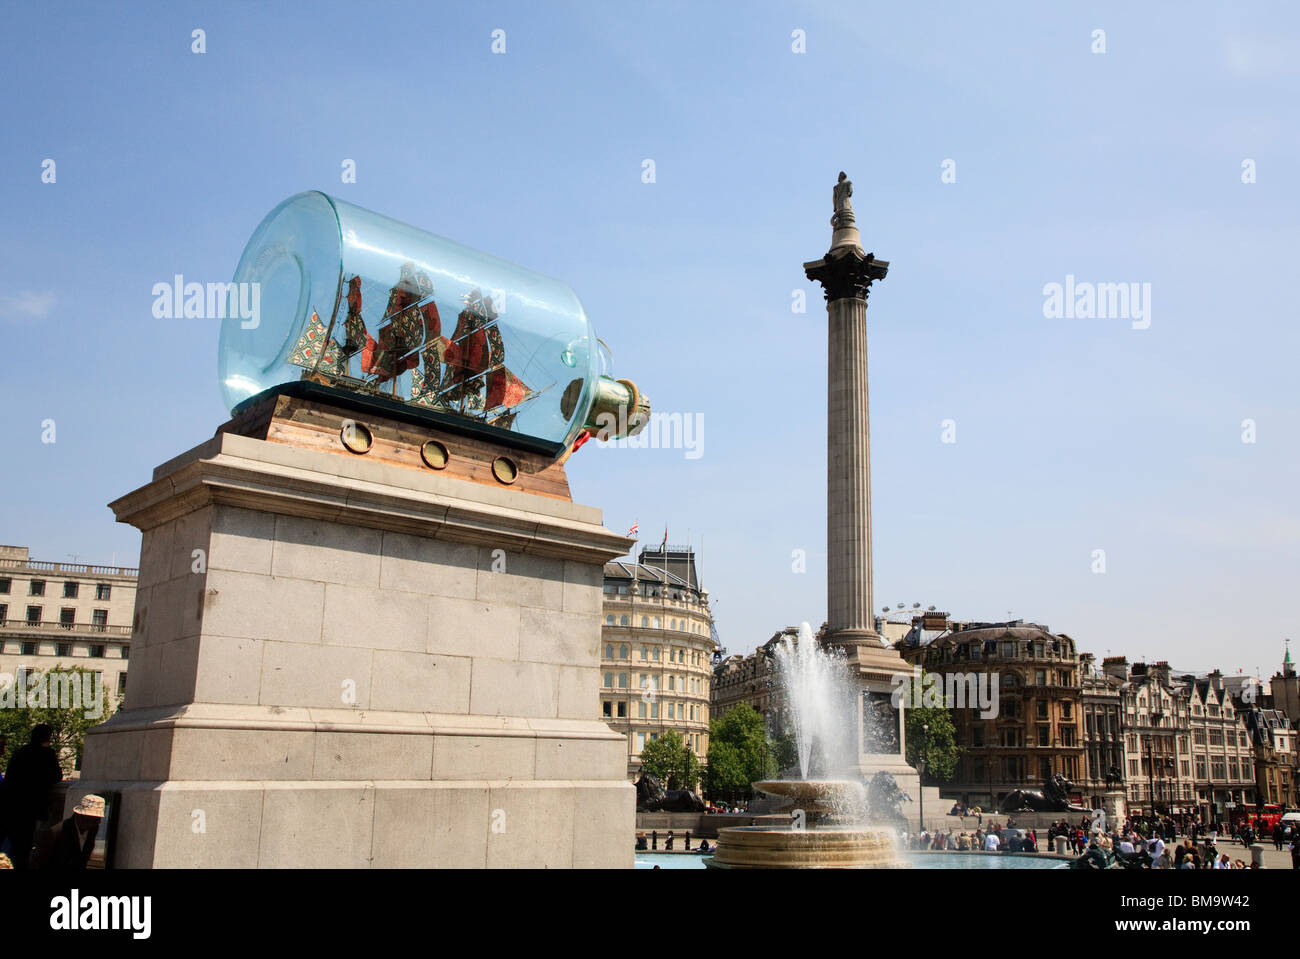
(1072, 434)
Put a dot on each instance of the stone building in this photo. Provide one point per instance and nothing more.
(656, 652)
(1035, 732)
(1156, 722)
(1273, 739)
(750, 679)
(1102, 731)
(1284, 687)
(65, 615)
(1223, 761)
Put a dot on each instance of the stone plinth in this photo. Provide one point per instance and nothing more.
(340, 662)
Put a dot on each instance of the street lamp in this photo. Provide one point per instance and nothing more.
(925, 739)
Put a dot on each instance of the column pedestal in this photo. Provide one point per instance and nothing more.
(347, 661)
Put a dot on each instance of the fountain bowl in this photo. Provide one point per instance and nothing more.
(826, 847)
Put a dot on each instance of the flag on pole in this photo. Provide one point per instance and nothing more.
(633, 530)
(665, 538)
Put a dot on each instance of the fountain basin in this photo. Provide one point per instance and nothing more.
(819, 796)
(831, 847)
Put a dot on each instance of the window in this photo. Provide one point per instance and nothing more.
(103, 591)
(6, 583)
(609, 651)
(622, 680)
(645, 621)
(1067, 736)
(609, 620)
(640, 741)
(609, 679)
(67, 616)
(1040, 677)
(977, 736)
(654, 710)
(121, 684)
(654, 654)
(96, 651)
(30, 649)
(607, 709)
(36, 588)
(622, 709)
(70, 590)
(33, 615)
(622, 652)
(1043, 736)
(641, 709)
(1042, 709)
(62, 649)
(644, 653)
(4, 613)
(1044, 768)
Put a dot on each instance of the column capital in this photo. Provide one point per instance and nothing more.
(846, 273)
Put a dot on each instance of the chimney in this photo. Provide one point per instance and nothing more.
(1116, 666)
(1161, 672)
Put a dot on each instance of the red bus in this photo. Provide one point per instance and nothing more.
(1262, 818)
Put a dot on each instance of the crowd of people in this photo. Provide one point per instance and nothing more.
(997, 838)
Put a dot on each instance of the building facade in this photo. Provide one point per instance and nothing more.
(1273, 740)
(1102, 731)
(1156, 722)
(64, 615)
(1035, 733)
(657, 652)
(1223, 759)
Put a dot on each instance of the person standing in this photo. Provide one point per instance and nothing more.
(25, 794)
(1156, 850)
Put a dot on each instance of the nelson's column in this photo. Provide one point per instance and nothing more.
(846, 273)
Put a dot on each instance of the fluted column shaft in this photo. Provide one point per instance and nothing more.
(848, 468)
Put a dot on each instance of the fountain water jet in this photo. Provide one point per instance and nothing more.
(819, 702)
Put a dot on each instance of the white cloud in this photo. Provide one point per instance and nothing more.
(26, 307)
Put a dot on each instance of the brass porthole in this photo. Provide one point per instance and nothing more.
(435, 455)
(356, 437)
(505, 470)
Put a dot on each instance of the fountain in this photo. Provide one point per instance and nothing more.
(830, 824)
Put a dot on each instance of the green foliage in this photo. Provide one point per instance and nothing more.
(671, 761)
(19, 714)
(939, 743)
(739, 753)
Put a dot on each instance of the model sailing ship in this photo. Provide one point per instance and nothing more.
(463, 374)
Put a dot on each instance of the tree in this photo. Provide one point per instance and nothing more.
(939, 743)
(671, 761)
(738, 743)
(61, 698)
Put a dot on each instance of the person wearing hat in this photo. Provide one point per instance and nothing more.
(68, 845)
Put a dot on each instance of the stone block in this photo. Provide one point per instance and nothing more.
(503, 688)
(538, 825)
(522, 580)
(295, 674)
(242, 540)
(484, 757)
(430, 567)
(208, 825)
(229, 670)
(431, 825)
(346, 756)
(419, 682)
(250, 606)
(553, 636)
(576, 759)
(316, 826)
(326, 552)
(473, 627)
(250, 754)
(372, 618)
(601, 833)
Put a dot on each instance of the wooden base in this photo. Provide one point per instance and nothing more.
(320, 426)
